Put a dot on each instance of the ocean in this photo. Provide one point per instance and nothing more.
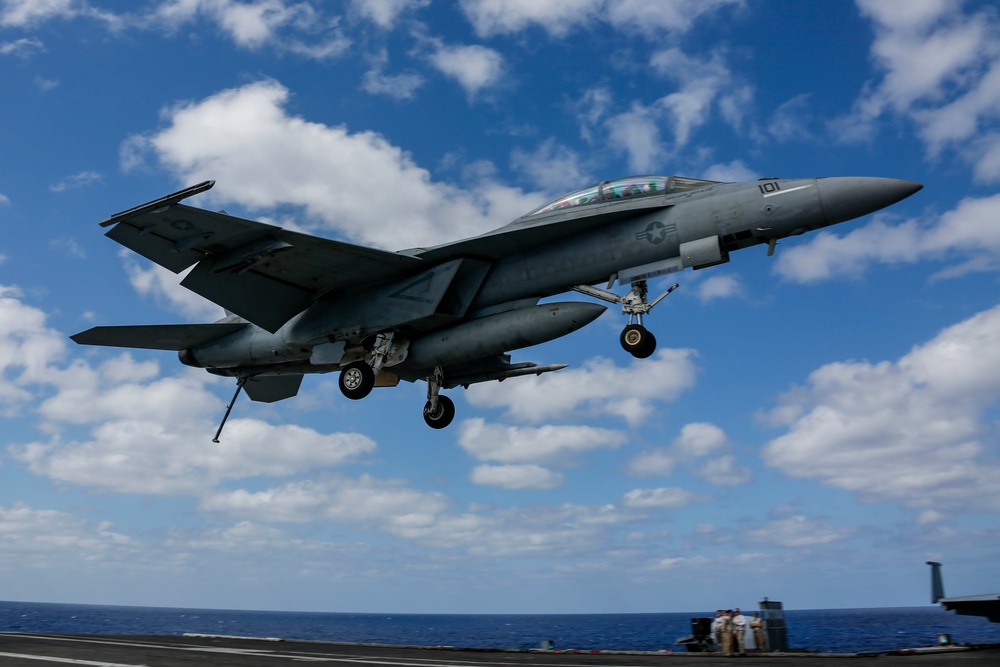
(823, 630)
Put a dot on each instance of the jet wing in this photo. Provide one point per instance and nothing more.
(157, 336)
(264, 274)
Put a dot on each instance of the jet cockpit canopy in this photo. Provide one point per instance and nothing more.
(632, 186)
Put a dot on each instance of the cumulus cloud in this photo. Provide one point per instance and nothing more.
(164, 286)
(516, 477)
(385, 13)
(705, 86)
(329, 172)
(396, 86)
(968, 234)
(288, 26)
(474, 67)
(696, 441)
(911, 431)
(533, 445)
(22, 48)
(719, 287)
(135, 442)
(671, 497)
(44, 538)
(599, 387)
(940, 69)
(724, 471)
(798, 531)
(560, 17)
(552, 167)
(29, 350)
(25, 13)
(80, 180)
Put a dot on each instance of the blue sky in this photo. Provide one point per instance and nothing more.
(812, 428)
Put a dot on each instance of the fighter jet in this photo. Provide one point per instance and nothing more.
(450, 314)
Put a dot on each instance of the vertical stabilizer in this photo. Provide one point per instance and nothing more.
(937, 586)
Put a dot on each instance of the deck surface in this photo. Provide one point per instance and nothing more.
(39, 650)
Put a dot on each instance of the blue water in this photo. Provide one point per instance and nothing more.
(837, 630)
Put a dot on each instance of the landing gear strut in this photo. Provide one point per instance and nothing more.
(635, 339)
(439, 411)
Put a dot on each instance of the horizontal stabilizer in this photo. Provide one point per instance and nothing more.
(174, 337)
(271, 388)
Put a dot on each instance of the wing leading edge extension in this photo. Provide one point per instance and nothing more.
(263, 273)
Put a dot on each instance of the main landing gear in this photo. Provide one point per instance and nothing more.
(439, 411)
(357, 379)
(636, 339)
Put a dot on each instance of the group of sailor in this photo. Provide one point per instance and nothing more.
(729, 629)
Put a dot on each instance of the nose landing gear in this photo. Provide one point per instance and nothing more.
(635, 339)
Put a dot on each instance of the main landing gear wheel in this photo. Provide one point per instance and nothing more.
(357, 380)
(638, 341)
(441, 417)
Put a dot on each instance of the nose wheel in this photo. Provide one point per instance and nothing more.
(638, 341)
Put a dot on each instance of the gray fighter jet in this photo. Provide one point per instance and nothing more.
(449, 314)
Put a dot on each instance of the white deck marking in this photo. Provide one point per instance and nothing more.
(67, 661)
(300, 656)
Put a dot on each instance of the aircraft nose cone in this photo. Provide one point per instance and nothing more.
(846, 198)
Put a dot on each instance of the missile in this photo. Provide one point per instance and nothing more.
(501, 374)
(500, 333)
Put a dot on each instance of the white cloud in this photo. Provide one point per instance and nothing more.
(799, 531)
(22, 48)
(705, 85)
(968, 232)
(387, 504)
(294, 27)
(699, 439)
(4, 200)
(910, 431)
(552, 167)
(731, 172)
(26, 13)
(473, 67)
(516, 477)
(557, 445)
(560, 17)
(695, 441)
(940, 69)
(600, 387)
(138, 445)
(384, 13)
(28, 350)
(136, 442)
(719, 287)
(294, 162)
(671, 497)
(43, 538)
(396, 86)
(164, 286)
(80, 180)
(724, 471)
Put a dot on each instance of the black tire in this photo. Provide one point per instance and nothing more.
(357, 380)
(638, 341)
(444, 414)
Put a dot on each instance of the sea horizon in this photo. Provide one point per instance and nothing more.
(847, 630)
